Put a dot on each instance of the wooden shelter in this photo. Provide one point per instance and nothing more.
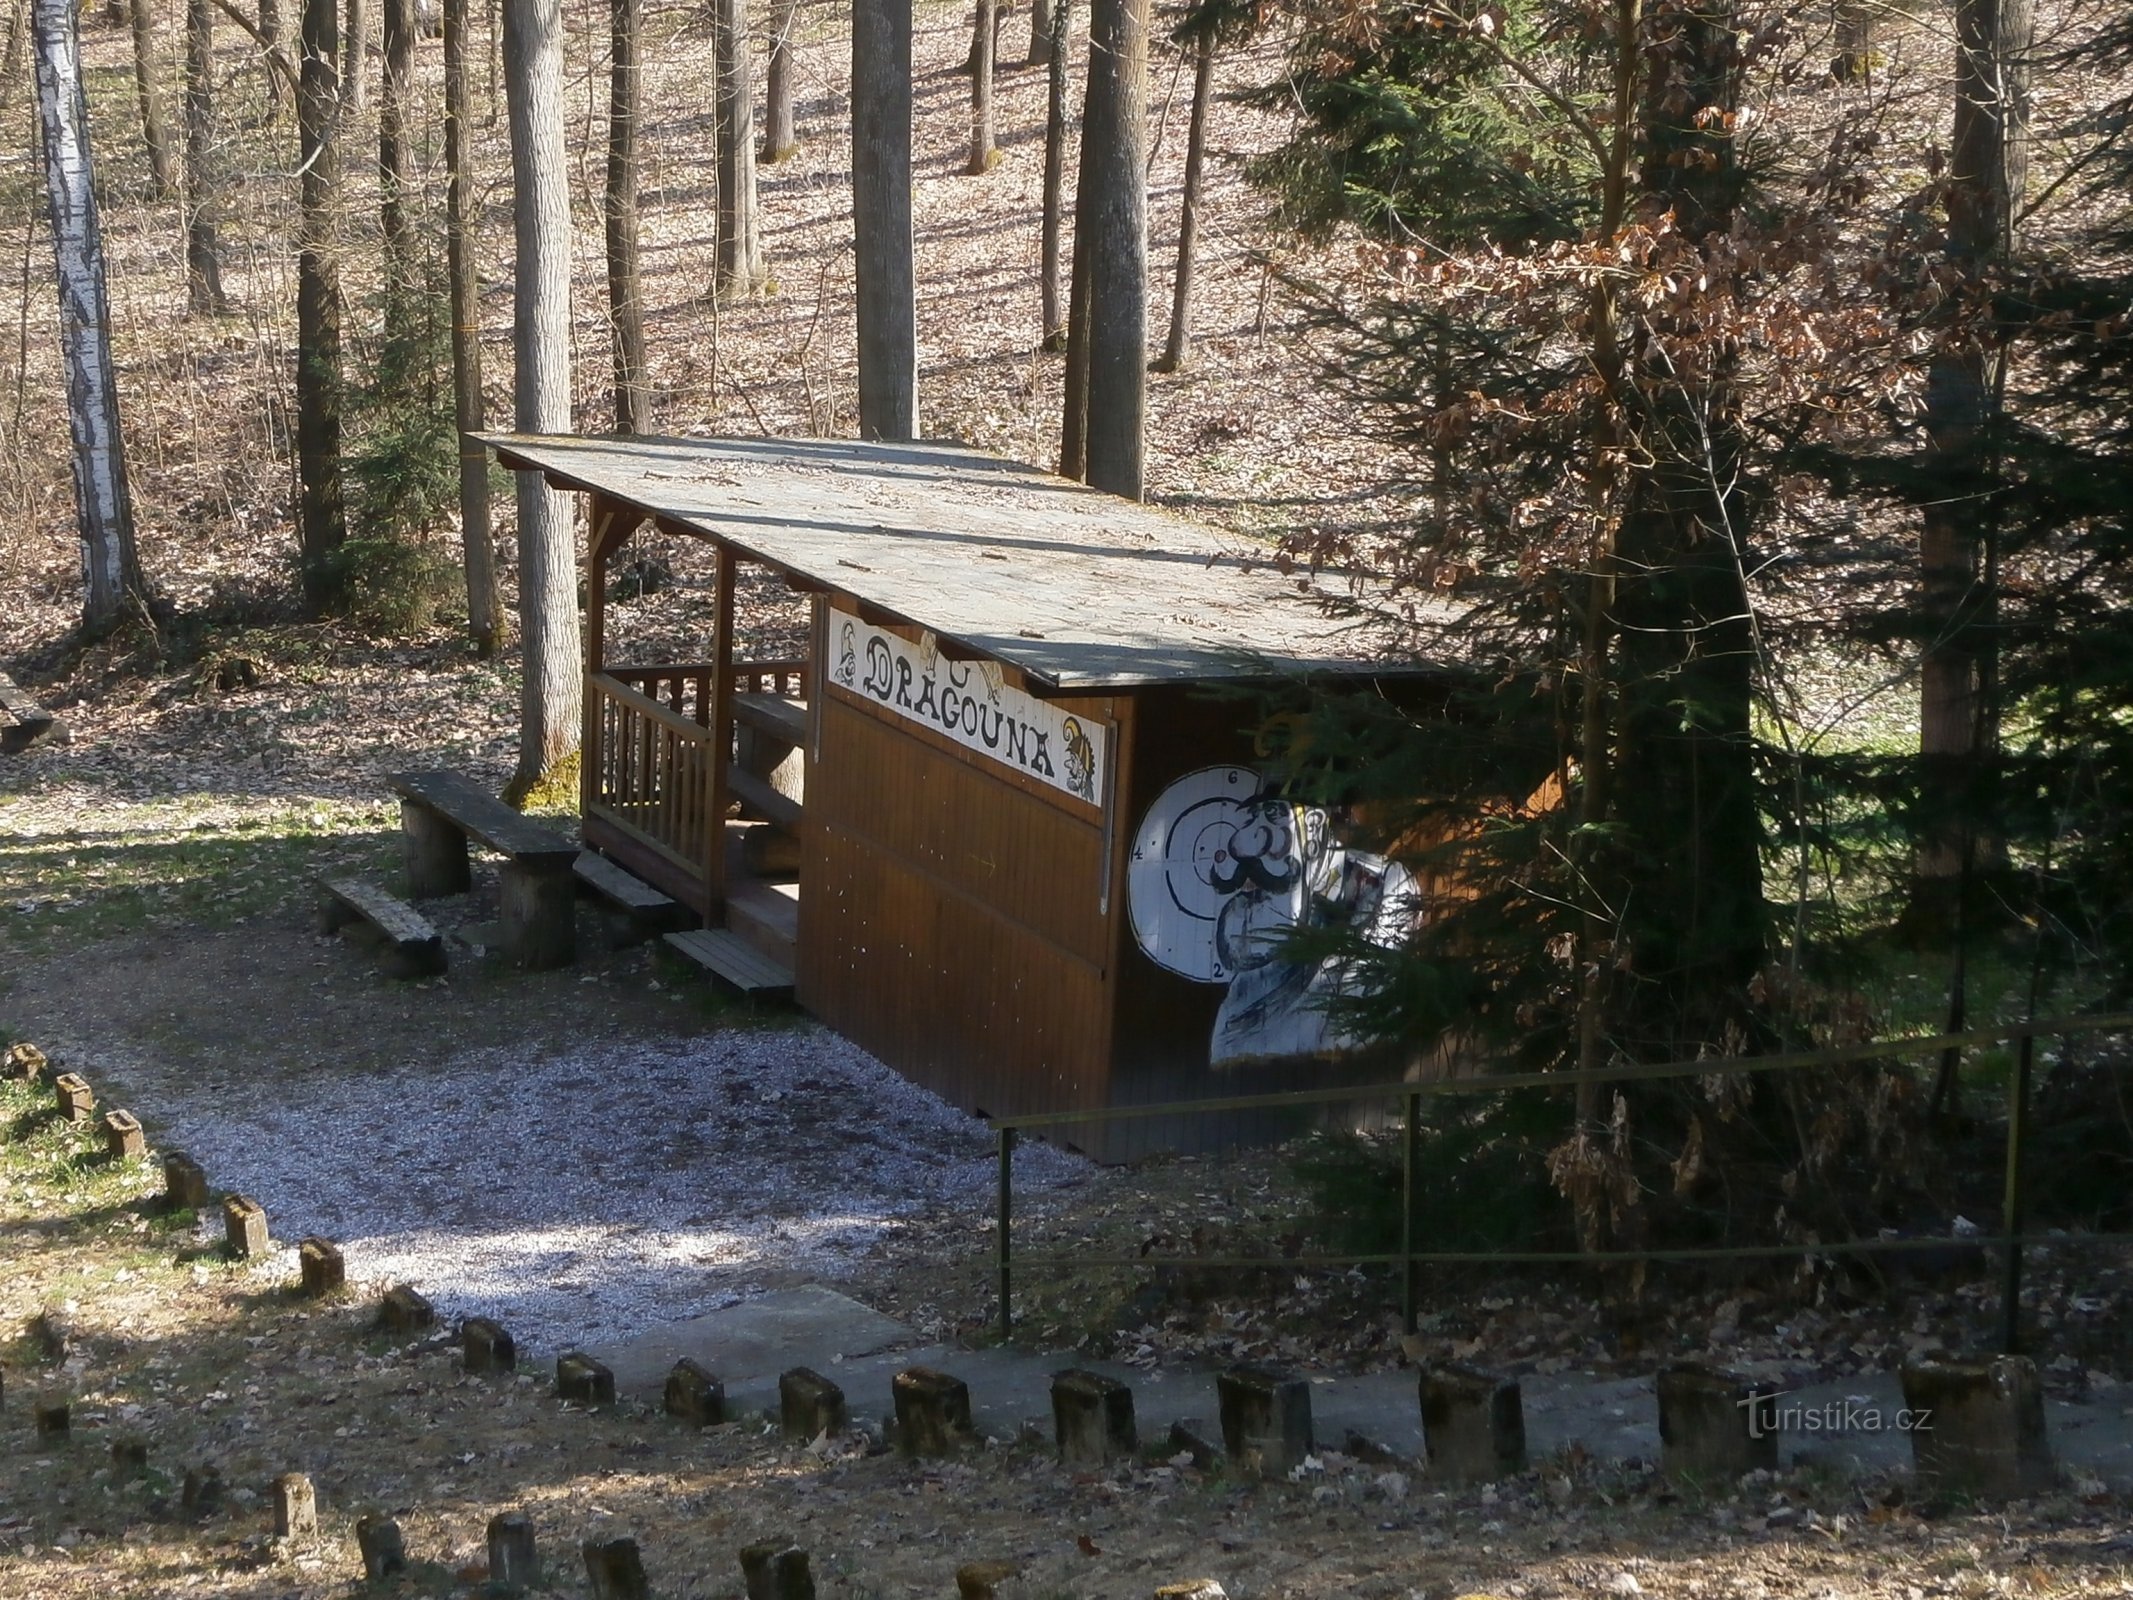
(993, 827)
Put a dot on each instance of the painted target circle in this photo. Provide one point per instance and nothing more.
(1213, 848)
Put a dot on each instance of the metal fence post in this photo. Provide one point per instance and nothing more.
(2011, 1198)
(1410, 1149)
(1005, 1256)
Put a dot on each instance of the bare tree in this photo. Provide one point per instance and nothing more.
(148, 89)
(1109, 321)
(625, 289)
(984, 154)
(395, 165)
(881, 219)
(740, 227)
(1055, 132)
(322, 525)
(484, 606)
(268, 33)
(203, 252)
(18, 27)
(780, 136)
(1177, 350)
(550, 688)
(1040, 33)
(357, 46)
(103, 504)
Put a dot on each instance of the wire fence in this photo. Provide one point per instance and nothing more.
(1409, 1259)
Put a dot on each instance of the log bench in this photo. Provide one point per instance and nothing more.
(412, 948)
(23, 722)
(440, 812)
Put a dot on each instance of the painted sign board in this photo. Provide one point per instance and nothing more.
(971, 703)
(1223, 868)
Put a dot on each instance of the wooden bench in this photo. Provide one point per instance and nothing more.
(23, 722)
(440, 812)
(412, 948)
(639, 911)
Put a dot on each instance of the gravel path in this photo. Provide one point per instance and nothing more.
(584, 1196)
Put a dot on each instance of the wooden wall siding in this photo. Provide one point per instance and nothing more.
(952, 922)
(945, 814)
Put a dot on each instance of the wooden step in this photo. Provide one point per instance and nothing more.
(412, 947)
(774, 714)
(761, 799)
(733, 960)
(767, 915)
(645, 911)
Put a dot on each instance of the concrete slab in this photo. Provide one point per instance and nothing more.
(1848, 1425)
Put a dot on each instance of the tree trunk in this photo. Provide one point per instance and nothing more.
(740, 237)
(1040, 33)
(1854, 60)
(102, 501)
(18, 27)
(357, 46)
(881, 219)
(1958, 719)
(625, 294)
(1177, 350)
(321, 519)
(1691, 835)
(203, 253)
(270, 27)
(780, 136)
(550, 686)
(1052, 315)
(154, 130)
(1115, 176)
(395, 164)
(984, 154)
(1074, 400)
(484, 606)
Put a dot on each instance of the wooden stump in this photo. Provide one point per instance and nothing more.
(25, 1061)
(694, 1395)
(1715, 1425)
(486, 1347)
(776, 1569)
(1266, 1419)
(124, 1139)
(435, 853)
(615, 1570)
(201, 1495)
(809, 1405)
(514, 1561)
(75, 1098)
(1978, 1426)
(406, 1310)
(539, 913)
(581, 1379)
(52, 1418)
(1092, 1418)
(384, 1551)
(932, 1412)
(1473, 1424)
(295, 1506)
(184, 1184)
(323, 1270)
(244, 1225)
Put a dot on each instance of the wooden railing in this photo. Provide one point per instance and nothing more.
(649, 760)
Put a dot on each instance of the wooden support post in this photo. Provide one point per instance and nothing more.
(721, 734)
(436, 853)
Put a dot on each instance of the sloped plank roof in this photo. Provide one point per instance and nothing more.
(1077, 588)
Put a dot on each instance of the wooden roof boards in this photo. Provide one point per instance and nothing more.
(1076, 588)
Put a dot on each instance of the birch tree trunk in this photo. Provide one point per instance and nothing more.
(625, 294)
(780, 135)
(203, 252)
(983, 152)
(484, 606)
(155, 130)
(395, 165)
(1177, 350)
(881, 219)
(1113, 234)
(322, 526)
(103, 504)
(1053, 314)
(740, 238)
(550, 686)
